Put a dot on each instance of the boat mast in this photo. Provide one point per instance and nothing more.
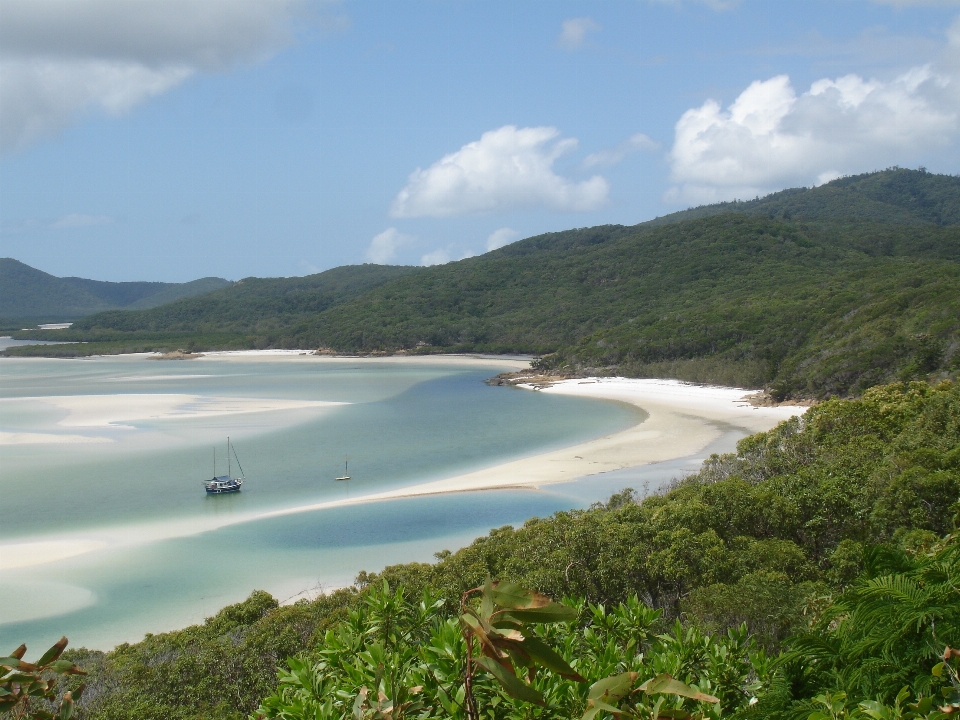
(229, 471)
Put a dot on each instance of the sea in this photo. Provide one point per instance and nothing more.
(168, 554)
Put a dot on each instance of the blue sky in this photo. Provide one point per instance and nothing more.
(169, 140)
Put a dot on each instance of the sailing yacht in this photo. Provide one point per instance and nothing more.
(346, 475)
(225, 483)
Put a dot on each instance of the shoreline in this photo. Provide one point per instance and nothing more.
(682, 419)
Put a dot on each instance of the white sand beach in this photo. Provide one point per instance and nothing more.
(682, 420)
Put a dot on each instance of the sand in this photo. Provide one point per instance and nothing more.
(682, 420)
(121, 410)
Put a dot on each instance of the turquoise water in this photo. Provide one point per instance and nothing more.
(402, 424)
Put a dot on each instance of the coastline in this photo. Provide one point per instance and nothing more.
(682, 419)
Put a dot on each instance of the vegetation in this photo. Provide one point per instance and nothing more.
(30, 295)
(813, 571)
(821, 292)
(28, 690)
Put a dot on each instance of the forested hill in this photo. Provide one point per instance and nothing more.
(899, 196)
(272, 309)
(30, 294)
(809, 292)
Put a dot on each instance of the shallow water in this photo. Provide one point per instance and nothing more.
(403, 424)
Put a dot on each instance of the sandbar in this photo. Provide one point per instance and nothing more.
(119, 410)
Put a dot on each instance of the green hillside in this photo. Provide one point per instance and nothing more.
(29, 294)
(809, 292)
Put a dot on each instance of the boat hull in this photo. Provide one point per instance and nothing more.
(221, 491)
(222, 484)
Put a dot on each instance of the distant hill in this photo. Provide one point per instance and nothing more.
(28, 294)
(268, 308)
(895, 195)
(807, 292)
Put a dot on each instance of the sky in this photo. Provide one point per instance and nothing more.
(176, 139)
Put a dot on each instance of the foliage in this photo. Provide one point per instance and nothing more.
(426, 652)
(28, 690)
(887, 630)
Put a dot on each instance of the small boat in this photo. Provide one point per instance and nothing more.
(224, 483)
(346, 475)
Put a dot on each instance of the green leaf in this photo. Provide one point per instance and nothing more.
(594, 707)
(65, 667)
(511, 683)
(613, 688)
(508, 595)
(875, 710)
(550, 659)
(664, 683)
(54, 652)
(486, 601)
(66, 706)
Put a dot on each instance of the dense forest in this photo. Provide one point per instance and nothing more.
(813, 573)
(810, 292)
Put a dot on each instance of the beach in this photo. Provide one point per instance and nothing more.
(681, 420)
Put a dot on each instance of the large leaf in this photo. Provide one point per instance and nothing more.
(525, 605)
(605, 695)
(664, 683)
(509, 595)
(66, 667)
(54, 652)
(550, 659)
(511, 683)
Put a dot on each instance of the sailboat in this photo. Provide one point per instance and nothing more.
(346, 475)
(225, 483)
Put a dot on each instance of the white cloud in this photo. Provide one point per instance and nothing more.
(76, 220)
(611, 156)
(61, 58)
(383, 248)
(506, 169)
(501, 237)
(574, 31)
(437, 257)
(771, 138)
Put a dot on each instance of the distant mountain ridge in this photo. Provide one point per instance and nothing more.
(28, 294)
